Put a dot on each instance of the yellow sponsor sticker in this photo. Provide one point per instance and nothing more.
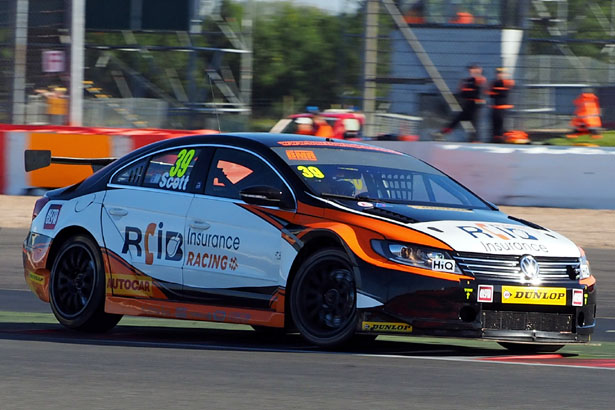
(35, 278)
(129, 285)
(386, 327)
(534, 295)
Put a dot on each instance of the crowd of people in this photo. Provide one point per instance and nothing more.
(473, 90)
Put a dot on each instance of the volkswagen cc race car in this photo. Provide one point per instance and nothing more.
(326, 237)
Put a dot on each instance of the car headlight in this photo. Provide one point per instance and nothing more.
(417, 256)
(584, 271)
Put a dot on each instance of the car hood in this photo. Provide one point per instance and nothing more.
(475, 230)
(499, 238)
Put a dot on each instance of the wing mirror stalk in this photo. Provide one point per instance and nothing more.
(265, 195)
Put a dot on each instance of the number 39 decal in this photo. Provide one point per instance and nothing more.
(181, 164)
(310, 172)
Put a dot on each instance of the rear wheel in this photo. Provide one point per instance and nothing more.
(530, 348)
(77, 288)
(323, 299)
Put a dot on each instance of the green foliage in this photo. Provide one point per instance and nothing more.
(305, 53)
(584, 22)
(607, 140)
(301, 54)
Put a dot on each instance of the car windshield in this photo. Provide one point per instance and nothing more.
(340, 170)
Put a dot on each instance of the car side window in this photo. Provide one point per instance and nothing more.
(172, 170)
(233, 170)
(131, 175)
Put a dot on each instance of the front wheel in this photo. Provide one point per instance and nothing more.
(323, 299)
(77, 288)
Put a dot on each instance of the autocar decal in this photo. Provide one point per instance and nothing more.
(123, 279)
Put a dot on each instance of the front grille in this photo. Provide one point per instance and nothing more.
(541, 321)
(488, 266)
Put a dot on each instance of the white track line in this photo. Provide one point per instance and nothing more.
(478, 360)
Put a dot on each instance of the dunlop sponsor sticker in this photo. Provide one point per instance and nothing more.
(534, 295)
(387, 327)
(129, 285)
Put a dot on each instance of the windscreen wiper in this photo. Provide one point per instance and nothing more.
(363, 197)
(337, 196)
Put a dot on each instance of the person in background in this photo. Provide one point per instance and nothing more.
(416, 13)
(471, 95)
(499, 91)
(304, 126)
(321, 127)
(57, 104)
(462, 17)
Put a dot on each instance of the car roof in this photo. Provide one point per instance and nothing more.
(325, 114)
(249, 138)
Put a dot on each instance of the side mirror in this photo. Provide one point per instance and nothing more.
(494, 206)
(265, 195)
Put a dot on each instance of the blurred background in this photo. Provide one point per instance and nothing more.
(241, 65)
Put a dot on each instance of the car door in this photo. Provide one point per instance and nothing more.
(143, 219)
(232, 254)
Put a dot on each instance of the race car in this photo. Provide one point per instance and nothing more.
(330, 238)
(345, 124)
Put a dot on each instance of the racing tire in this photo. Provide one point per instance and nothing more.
(530, 348)
(323, 299)
(77, 287)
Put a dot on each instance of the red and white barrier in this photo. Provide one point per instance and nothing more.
(83, 142)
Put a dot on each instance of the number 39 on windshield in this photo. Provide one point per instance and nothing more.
(310, 172)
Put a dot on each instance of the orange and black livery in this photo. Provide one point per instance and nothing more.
(323, 237)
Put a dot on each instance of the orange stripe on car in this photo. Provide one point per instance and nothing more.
(191, 311)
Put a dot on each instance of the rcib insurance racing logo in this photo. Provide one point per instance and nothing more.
(208, 250)
(155, 242)
(496, 238)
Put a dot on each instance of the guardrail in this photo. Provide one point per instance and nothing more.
(550, 176)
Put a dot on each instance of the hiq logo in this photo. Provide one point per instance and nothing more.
(157, 243)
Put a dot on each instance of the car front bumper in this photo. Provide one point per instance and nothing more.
(437, 307)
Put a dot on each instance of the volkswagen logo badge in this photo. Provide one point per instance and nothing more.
(529, 268)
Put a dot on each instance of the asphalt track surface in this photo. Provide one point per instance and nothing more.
(144, 364)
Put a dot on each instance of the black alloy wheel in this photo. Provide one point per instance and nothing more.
(77, 288)
(323, 299)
